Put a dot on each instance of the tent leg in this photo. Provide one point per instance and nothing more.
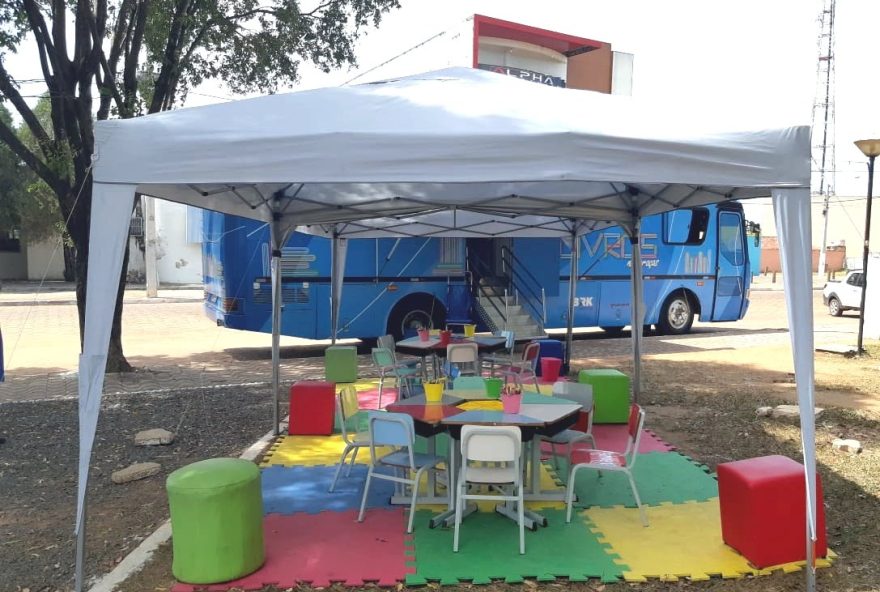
(810, 567)
(572, 294)
(334, 296)
(636, 310)
(81, 549)
(276, 326)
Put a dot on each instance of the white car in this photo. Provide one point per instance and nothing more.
(845, 294)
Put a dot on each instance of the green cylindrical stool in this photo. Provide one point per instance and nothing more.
(216, 520)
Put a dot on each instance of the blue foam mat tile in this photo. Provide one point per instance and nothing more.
(288, 490)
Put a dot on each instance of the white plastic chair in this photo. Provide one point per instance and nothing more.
(490, 444)
(347, 406)
(396, 430)
(505, 359)
(606, 460)
(583, 395)
(464, 356)
(384, 360)
(525, 368)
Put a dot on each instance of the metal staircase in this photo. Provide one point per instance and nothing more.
(512, 302)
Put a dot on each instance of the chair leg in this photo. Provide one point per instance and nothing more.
(345, 452)
(521, 518)
(635, 491)
(458, 512)
(569, 492)
(364, 497)
(381, 386)
(555, 457)
(351, 462)
(415, 494)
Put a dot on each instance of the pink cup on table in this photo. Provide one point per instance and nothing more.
(424, 335)
(511, 402)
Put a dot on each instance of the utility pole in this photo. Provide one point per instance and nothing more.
(824, 165)
(152, 276)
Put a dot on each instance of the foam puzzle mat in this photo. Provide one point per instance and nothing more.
(312, 536)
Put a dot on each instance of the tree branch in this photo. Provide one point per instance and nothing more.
(111, 64)
(7, 87)
(129, 73)
(172, 49)
(9, 138)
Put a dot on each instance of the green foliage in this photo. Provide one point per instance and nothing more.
(26, 203)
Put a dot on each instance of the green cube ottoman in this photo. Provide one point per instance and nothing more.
(610, 394)
(340, 363)
(216, 520)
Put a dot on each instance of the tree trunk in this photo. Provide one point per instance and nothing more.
(78, 227)
(69, 262)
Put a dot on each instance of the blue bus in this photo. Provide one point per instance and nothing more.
(695, 263)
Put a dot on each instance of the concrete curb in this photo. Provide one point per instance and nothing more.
(138, 558)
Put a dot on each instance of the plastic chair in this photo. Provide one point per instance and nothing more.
(582, 394)
(384, 360)
(606, 460)
(387, 341)
(525, 368)
(396, 430)
(490, 444)
(347, 406)
(507, 358)
(462, 355)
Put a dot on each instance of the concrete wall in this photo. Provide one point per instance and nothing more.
(872, 300)
(835, 257)
(46, 257)
(177, 261)
(13, 266)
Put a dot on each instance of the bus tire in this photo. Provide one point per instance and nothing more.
(414, 311)
(613, 331)
(676, 315)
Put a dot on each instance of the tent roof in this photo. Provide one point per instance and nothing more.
(514, 156)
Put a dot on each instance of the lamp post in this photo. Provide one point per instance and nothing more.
(871, 149)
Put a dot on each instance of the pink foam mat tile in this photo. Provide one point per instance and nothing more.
(328, 547)
(369, 398)
(614, 437)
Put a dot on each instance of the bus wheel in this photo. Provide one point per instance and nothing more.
(414, 312)
(613, 331)
(677, 315)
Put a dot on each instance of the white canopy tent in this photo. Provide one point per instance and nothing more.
(458, 152)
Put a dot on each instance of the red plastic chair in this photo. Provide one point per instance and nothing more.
(606, 460)
(526, 368)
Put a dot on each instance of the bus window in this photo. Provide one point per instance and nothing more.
(730, 238)
(685, 227)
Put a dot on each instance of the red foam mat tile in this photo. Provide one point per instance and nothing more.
(614, 436)
(320, 549)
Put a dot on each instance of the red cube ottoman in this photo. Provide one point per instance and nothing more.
(763, 510)
(312, 408)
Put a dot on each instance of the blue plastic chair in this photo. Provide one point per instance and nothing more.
(397, 431)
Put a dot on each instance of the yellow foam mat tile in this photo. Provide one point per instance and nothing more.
(311, 451)
(547, 484)
(682, 541)
(482, 406)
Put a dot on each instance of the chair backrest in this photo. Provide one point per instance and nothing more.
(460, 353)
(391, 429)
(383, 357)
(575, 391)
(491, 444)
(530, 354)
(634, 427)
(469, 383)
(386, 341)
(347, 406)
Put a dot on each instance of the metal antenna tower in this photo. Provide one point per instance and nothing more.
(823, 157)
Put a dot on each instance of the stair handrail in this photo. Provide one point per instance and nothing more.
(479, 269)
(537, 303)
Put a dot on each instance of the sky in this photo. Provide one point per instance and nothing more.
(748, 58)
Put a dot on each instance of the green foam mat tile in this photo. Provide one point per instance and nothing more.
(661, 477)
(441, 443)
(489, 550)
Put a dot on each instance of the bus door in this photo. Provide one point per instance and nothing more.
(730, 268)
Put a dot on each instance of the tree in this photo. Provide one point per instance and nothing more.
(143, 56)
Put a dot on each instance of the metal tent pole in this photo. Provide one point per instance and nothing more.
(81, 547)
(636, 307)
(275, 241)
(572, 294)
(334, 295)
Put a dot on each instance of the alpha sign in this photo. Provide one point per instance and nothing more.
(524, 74)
